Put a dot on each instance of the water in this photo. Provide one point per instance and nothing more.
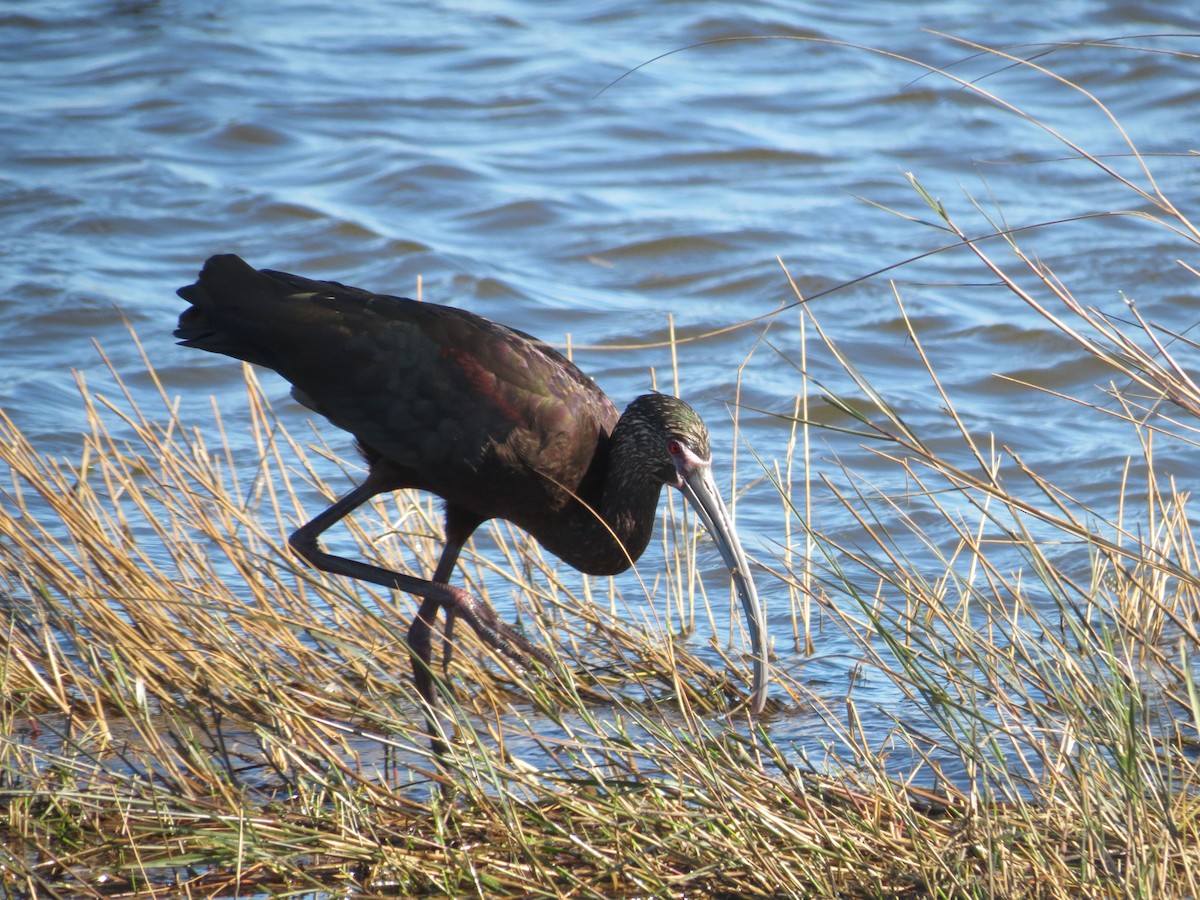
(513, 159)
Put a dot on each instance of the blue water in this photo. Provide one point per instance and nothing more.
(549, 167)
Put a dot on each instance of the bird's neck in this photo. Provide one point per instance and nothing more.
(629, 504)
(610, 529)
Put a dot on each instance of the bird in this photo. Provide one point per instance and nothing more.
(495, 422)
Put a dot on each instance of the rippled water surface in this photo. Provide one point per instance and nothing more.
(519, 160)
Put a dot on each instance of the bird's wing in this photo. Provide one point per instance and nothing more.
(435, 389)
(449, 387)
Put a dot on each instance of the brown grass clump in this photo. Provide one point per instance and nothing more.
(184, 705)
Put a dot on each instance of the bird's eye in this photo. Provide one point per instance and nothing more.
(674, 448)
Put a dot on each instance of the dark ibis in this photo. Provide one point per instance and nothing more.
(495, 422)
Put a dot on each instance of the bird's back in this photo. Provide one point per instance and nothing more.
(455, 402)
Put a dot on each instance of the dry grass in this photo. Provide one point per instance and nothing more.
(189, 711)
(188, 708)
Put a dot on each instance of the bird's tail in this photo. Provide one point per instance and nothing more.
(231, 302)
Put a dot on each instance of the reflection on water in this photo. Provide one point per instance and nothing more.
(486, 154)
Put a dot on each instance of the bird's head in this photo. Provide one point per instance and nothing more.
(672, 439)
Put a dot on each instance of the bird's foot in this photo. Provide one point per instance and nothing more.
(493, 631)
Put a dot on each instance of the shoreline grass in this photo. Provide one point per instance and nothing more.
(187, 708)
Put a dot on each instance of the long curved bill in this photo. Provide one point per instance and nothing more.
(701, 492)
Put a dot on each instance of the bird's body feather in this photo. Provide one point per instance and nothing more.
(449, 399)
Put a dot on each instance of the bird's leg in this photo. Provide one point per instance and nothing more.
(423, 623)
(420, 645)
(306, 542)
(491, 629)
(460, 525)
(434, 595)
(448, 640)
